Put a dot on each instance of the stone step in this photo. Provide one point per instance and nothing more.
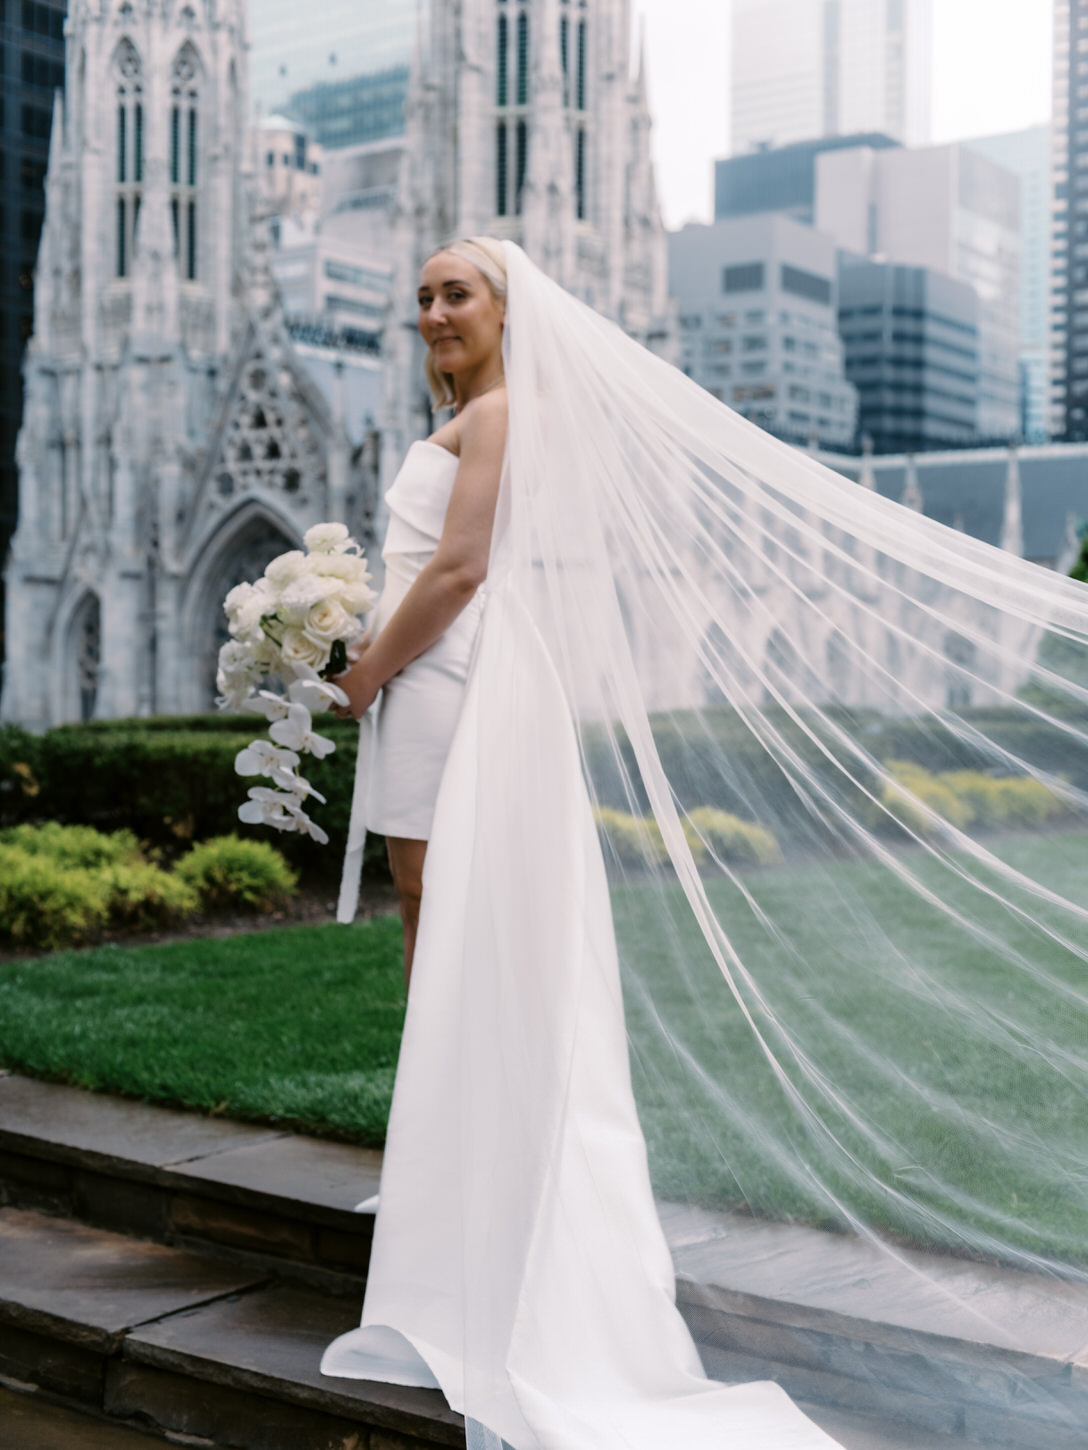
(938, 1345)
(182, 1344)
(274, 1200)
(149, 1341)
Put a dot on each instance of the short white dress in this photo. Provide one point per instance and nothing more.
(418, 708)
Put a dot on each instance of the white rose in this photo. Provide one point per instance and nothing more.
(302, 594)
(284, 568)
(299, 648)
(349, 567)
(245, 620)
(326, 538)
(327, 621)
(357, 598)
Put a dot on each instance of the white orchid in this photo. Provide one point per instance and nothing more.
(282, 812)
(296, 732)
(309, 689)
(236, 674)
(262, 758)
(296, 618)
(266, 703)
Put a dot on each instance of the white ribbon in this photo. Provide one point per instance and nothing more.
(353, 856)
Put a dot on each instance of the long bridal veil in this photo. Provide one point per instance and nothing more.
(818, 767)
(837, 755)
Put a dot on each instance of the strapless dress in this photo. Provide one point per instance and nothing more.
(418, 708)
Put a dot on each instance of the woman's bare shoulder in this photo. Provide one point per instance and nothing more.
(483, 419)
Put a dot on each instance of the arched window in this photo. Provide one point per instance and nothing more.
(511, 106)
(184, 158)
(86, 656)
(523, 57)
(502, 58)
(129, 162)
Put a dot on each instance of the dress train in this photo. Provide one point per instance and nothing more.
(518, 1260)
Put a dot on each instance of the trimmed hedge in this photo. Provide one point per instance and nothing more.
(170, 781)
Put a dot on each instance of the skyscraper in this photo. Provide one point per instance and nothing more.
(809, 68)
(31, 69)
(295, 47)
(1027, 155)
(951, 210)
(1069, 226)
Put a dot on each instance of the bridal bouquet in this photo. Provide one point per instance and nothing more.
(294, 623)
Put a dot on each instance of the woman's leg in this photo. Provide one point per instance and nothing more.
(406, 863)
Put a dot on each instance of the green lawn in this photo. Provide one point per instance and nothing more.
(300, 1026)
(934, 1095)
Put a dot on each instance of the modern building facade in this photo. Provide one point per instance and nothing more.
(781, 179)
(911, 346)
(350, 112)
(31, 71)
(953, 211)
(757, 300)
(1027, 155)
(808, 68)
(298, 48)
(1069, 223)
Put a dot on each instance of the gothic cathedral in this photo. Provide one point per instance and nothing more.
(172, 440)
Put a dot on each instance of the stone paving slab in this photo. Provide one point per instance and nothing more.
(271, 1342)
(87, 1287)
(69, 1125)
(308, 1175)
(808, 1274)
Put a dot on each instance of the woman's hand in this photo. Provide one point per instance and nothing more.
(357, 683)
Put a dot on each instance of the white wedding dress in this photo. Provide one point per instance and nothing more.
(518, 1261)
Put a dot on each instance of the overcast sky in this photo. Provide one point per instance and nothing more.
(991, 68)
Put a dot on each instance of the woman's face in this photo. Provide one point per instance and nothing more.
(460, 318)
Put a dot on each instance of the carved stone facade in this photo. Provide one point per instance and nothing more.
(524, 120)
(172, 441)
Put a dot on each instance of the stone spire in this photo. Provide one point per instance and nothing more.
(912, 489)
(155, 285)
(1012, 527)
(548, 201)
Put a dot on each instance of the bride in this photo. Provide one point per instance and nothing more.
(608, 610)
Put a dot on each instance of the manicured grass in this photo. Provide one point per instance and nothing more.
(961, 1080)
(932, 1095)
(300, 1026)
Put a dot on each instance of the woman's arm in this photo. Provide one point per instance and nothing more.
(458, 567)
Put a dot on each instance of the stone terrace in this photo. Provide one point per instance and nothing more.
(180, 1275)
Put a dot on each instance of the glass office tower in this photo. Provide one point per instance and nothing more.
(295, 47)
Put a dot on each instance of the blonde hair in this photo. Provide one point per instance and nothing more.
(489, 258)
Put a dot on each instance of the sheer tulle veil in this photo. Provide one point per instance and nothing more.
(836, 756)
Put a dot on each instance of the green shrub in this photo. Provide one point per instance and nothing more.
(45, 904)
(967, 798)
(633, 840)
(1007, 801)
(74, 845)
(913, 789)
(637, 840)
(142, 897)
(229, 871)
(734, 840)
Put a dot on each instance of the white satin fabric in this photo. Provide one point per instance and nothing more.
(417, 713)
(518, 1261)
